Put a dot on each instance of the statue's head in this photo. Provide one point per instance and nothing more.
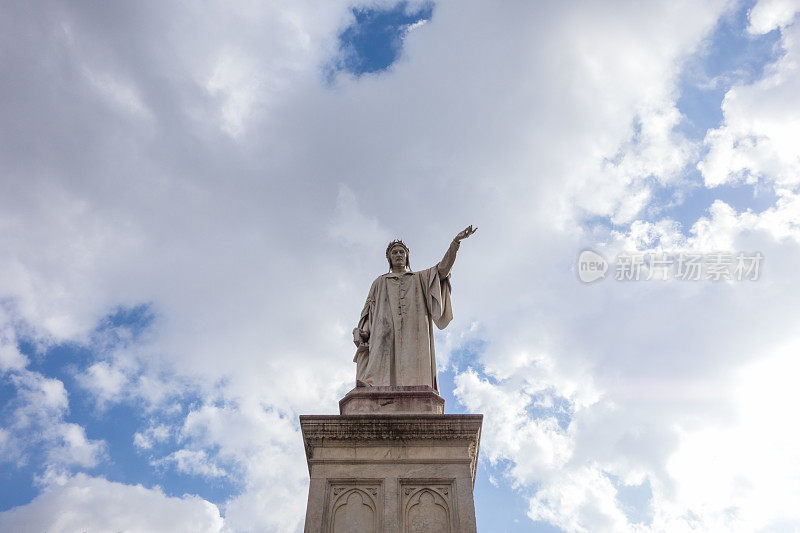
(398, 254)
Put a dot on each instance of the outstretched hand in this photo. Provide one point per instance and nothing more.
(466, 233)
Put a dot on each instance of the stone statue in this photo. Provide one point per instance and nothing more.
(394, 337)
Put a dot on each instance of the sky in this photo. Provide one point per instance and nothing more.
(195, 198)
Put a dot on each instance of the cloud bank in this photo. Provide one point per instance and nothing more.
(194, 161)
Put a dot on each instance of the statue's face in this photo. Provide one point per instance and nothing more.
(397, 255)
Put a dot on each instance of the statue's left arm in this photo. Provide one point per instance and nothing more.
(446, 264)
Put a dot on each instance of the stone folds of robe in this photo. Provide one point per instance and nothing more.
(398, 317)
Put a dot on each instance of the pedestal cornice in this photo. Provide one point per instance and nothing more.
(379, 430)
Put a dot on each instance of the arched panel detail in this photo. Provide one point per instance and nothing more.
(426, 512)
(353, 510)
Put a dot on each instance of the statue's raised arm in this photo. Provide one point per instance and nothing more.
(446, 264)
(394, 336)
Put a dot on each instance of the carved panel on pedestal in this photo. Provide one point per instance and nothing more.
(428, 506)
(354, 506)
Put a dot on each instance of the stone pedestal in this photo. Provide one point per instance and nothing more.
(392, 400)
(380, 467)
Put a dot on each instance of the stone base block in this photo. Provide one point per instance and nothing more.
(391, 473)
(392, 400)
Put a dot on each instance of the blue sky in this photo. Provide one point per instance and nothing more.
(194, 200)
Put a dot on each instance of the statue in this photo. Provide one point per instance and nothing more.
(394, 337)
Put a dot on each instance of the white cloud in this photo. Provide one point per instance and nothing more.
(768, 15)
(37, 420)
(252, 213)
(73, 448)
(193, 462)
(155, 434)
(105, 381)
(351, 226)
(739, 475)
(118, 93)
(584, 501)
(84, 503)
(236, 81)
(757, 139)
(264, 445)
(10, 356)
(533, 445)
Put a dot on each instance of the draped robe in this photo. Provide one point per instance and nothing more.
(398, 317)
